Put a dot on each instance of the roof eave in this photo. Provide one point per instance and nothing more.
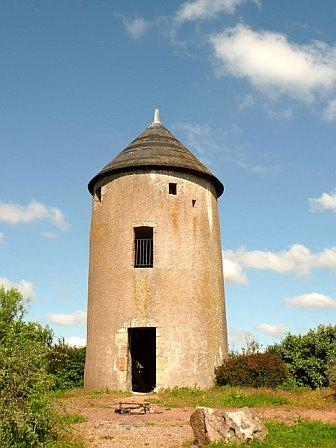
(213, 179)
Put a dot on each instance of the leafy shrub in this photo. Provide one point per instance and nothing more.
(66, 366)
(331, 373)
(253, 370)
(306, 355)
(25, 416)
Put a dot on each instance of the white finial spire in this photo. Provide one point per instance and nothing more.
(157, 117)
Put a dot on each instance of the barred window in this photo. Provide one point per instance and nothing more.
(143, 247)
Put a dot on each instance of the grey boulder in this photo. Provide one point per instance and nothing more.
(212, 425)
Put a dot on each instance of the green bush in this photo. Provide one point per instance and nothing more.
(66, 366)
(331, 372)
(306, 355)
(252, 370)
(25, 416)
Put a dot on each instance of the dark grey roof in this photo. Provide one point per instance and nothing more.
(157, 148)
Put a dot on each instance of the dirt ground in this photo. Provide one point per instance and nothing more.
(165, 428)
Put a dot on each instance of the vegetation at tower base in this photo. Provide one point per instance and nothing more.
(307, 355)
(331, 373)
(252, 370)
(26, 419)
(66, 365)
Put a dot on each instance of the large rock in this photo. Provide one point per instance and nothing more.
(211, 425)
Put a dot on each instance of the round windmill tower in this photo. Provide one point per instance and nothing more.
(156, 312)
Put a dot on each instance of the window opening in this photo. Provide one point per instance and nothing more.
(193, 202)
(142, 349)
(143, 247)
(172, 188)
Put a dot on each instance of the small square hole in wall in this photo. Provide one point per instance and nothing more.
(193, 202)
(172, 188)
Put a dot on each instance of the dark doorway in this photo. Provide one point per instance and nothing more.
(142, 346)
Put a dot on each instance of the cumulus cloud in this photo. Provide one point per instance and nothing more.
(271, 330)
(75, 341)
(274, 65)
(297, 259)
(26, 288)
(35, 211)
(2, 236)
(233, 272)
(207, 9)
(136, 28)
(68, 320)
(330, 111)
(311, 300)
(327, 201)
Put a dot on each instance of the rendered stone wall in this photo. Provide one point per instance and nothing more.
(182, 295)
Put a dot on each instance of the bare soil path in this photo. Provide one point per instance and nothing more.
(166, 427)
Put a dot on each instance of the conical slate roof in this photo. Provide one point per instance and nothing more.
(157, 148)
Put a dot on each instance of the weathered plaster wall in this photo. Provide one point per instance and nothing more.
(182, 295)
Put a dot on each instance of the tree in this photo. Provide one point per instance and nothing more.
(307, 355)
(25, 416)
(66, 365)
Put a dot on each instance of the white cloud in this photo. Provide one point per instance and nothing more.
(247, 102)
(311, 300)
(136, 28)
(271, 330)
(26, 288)
(233, 272)
(75, 341)
(207, 9)
(34, 211)
(239, 336)
(253, 168)
(297, 259)
(325, 202)
(69, 319)
(281, 114)
(330, 111)
(275, 65)
(2, 236)
(210, 145)
(50, 235)
(197, 136)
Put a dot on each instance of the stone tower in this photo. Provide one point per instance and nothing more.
(156, 312)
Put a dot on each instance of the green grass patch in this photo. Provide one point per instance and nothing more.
(300, 435)
(71, 419)
(64, 445)
(218, 397)
(81, 393)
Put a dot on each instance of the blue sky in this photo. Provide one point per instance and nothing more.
(248, 86)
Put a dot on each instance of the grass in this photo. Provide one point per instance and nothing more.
(81, 393)
(300, 435)
(71, 419)
(64, 445)
(239, 397)
(215, 397)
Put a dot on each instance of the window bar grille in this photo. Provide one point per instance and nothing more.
(144, 252)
